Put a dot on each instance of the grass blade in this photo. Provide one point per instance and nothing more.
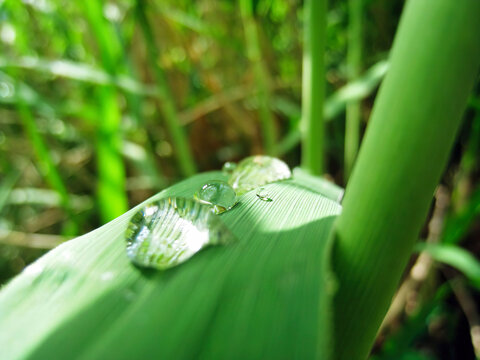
(313, 87)
(112, 197)
(47, 165)
(456, 257)
(266, 296)
(78, 72)
(336, 103)
(260, 73)
(179, 139)
(354, 63)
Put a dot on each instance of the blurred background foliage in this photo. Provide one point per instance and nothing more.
(104, 103)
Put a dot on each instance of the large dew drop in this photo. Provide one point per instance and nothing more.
(169, 231)
(218, 194)
(255, 171)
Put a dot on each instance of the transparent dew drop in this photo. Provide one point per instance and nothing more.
(263, 195)
(169, 231)
(217, 194)
(255, 171)
(228, 167)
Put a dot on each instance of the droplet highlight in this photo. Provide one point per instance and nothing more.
(255, 171)
(169, 231)
(218, 194)
(228, 167)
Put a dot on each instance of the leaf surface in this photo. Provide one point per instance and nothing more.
(265, 296)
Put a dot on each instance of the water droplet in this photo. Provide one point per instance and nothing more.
(228, 167)
(217, 194)
(255, 171)
(263, 195)
(169, 231)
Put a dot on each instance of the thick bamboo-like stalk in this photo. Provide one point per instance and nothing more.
(434, 63)
(177, 134)
(354, 63)
(313, 85)
(261, 76)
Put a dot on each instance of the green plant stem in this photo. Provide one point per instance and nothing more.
(47, 166)
(112, 197)
(354, 63)
(336, 103)
(179, 139)
(412, 129)
(313, 85)
(261, 76)
(44, 157)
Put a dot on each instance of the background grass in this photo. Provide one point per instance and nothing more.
(104, 104)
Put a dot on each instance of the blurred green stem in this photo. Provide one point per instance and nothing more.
(406, 147)
(313, 86)
(47, 166)
(111, 171)
(146, 164)
(179, 139)
(261, 76)
(354, 63)
(45, 160)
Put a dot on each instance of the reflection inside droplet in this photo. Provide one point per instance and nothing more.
(167, 232)
(217, 194)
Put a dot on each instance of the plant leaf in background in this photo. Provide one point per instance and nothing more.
(456, 257)
(265, 296)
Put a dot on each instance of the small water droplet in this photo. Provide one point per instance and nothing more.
(228, 167)
(255, 171)
(169, 231)
(264, 196)
(217, 194)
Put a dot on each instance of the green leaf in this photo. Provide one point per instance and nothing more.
(457, 225)
(456, 257)
(265, 296)
(77, 71)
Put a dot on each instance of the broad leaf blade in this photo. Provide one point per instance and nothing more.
(265, 296)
